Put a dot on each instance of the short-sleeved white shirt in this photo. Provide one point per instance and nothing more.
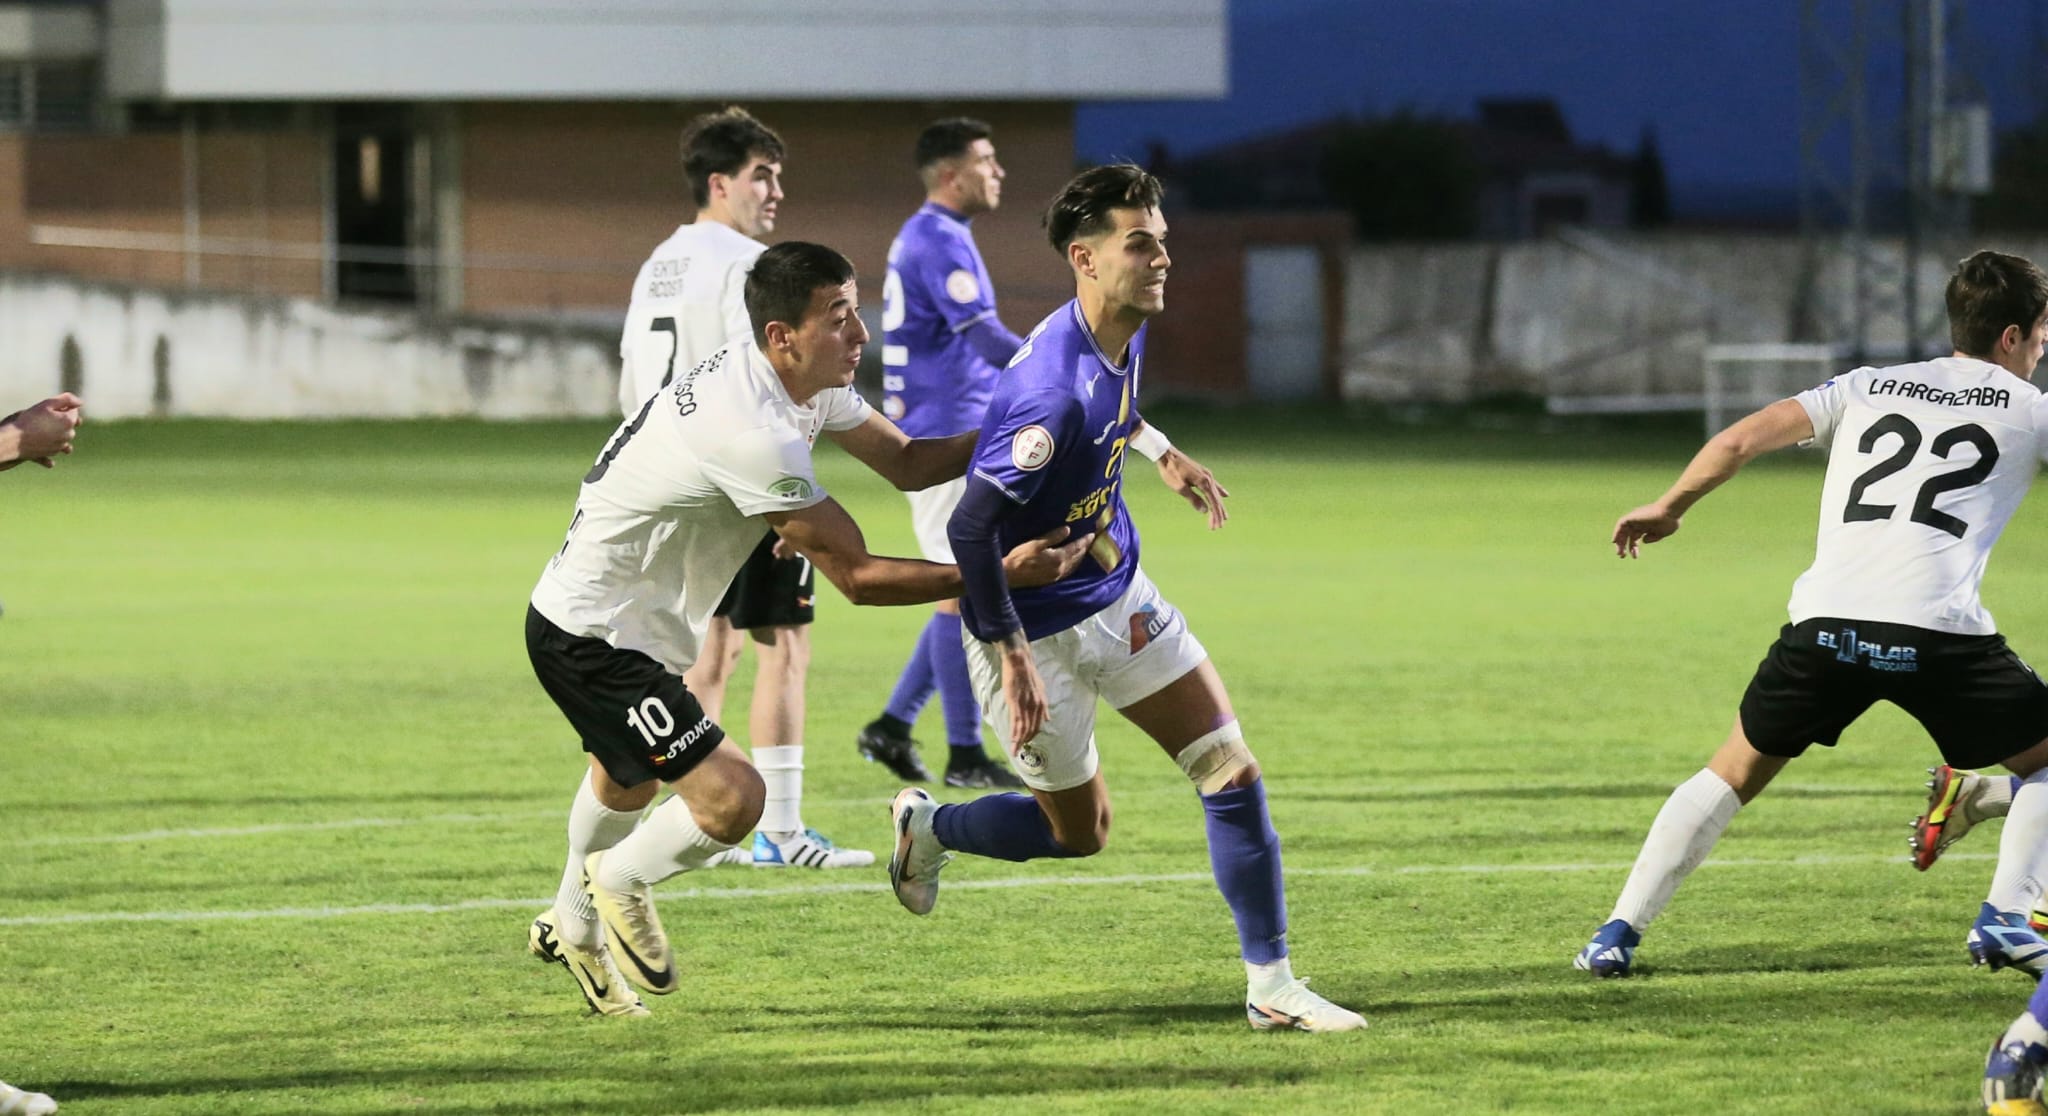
(689, 300)
(1927, 463)
(673, 506)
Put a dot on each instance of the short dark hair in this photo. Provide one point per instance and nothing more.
(784, 278)
(1083, 205)
(1988, 292)
(949, 138)
(721, 143)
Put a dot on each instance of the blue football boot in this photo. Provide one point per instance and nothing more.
(1612, 950)
(2003, 939)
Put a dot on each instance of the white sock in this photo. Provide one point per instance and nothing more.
(1993, 798)
(2025, 1029)
(782, 769)
(592, 828)
(668, 843)
(1683, 834)
(2018, 878)
(1265, 980)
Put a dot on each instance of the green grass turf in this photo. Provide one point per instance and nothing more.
(277, 670)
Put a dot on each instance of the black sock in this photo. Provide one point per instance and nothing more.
(892, 726)
(965, 755)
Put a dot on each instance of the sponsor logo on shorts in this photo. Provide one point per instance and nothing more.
(1896, 658)
(1146, 625)
(791, 488)
(682, 743)
(1031, 448)
(1031, 760)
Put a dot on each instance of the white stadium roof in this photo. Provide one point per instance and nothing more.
(666, 49)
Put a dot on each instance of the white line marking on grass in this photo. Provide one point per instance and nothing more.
(274, 828)
(1010, 883)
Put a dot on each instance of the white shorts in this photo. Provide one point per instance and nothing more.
(1127, 652)
(930, 508)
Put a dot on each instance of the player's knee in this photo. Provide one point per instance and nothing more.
(787, 653)
(1084, 837)
(1219, 760)
(727, 806)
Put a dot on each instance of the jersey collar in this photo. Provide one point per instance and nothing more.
(1081, 323)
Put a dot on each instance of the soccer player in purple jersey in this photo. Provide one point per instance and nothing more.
(1052, 452)
(943, 347)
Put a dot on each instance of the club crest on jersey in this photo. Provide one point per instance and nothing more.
(963, 286)
(1031, 448)
(892, 406)
(791, 488)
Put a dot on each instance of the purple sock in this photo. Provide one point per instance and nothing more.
(956, 691)
(914, 685)
(1244, 854)
(1001, 826)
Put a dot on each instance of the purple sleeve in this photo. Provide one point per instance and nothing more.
(990, 341)
(979, 551)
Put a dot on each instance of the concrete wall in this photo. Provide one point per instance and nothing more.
(1614, 315)
(139, 351)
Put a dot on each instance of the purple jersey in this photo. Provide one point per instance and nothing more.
(1053, 444)
(934, 384)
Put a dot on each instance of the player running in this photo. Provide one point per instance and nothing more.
(1053, 447)
(664, 518)
(1927, 464)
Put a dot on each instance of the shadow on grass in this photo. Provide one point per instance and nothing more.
(696, 1085)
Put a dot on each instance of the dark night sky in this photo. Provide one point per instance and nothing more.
(1719, 81)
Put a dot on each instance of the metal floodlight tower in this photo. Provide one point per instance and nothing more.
(1867, 175)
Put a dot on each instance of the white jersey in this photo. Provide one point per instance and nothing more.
(673, 506)
(689, 301)
(1927, 463)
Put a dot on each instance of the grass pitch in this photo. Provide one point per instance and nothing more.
(280, 795)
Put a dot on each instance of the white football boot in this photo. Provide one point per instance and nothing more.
(915, 863)
(1296, 1008)
(21, 1102)
(633, 930)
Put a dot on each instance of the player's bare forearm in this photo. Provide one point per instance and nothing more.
(1781, 424)
(1774, 427)
(930, 461)
(909, 464)
(1023, 689)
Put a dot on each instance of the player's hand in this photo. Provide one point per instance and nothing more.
(782, 548)
(46, 429)
(1195, 484)
(1045, 559)
(1644, 525)
(1023, 691)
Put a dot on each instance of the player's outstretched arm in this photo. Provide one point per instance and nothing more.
(1781, 424)
(1183, 474)
(41, 432)
(828, 536)
(907, 463)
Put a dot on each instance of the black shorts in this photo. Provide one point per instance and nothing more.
(633, 715)
(1978, 701)
(770, 592)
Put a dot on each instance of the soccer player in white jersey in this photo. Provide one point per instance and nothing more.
(1927, 463)
(665, 518)
(687, 303)
(942, 348)
(1060, 427)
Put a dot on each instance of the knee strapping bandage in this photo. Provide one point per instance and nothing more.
(1215, 758)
